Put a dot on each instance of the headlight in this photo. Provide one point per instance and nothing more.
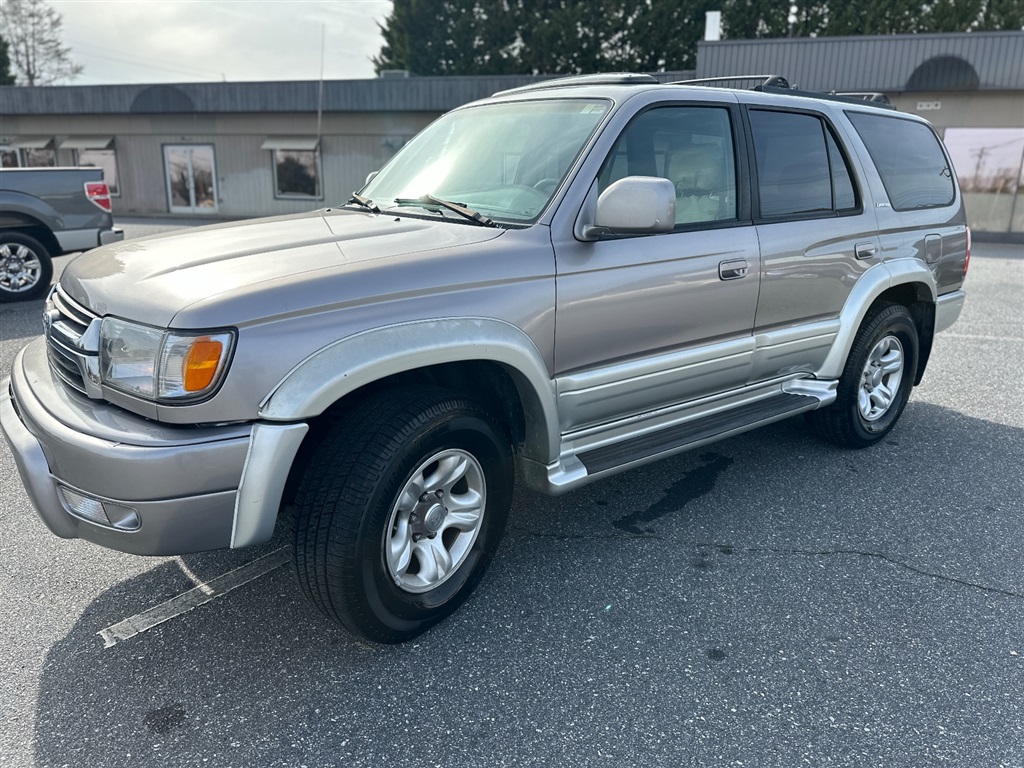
(162, 365)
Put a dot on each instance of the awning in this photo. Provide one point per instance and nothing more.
(32, 142)
(307, 143)
(87, 142)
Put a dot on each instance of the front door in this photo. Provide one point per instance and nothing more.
(651, 321)
(191, 179)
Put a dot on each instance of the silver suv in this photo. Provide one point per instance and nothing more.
(557, 283)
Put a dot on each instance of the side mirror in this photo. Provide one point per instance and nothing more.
(635, 205)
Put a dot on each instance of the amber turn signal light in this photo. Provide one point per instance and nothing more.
(201, 363)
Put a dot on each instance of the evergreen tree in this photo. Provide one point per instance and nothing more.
(476, 37)
(1002, 14)
(6, 78)
(874, 17)
(953, 15)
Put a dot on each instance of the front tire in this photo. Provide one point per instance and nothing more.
(25, 267)
(876, 381)
(400, 511)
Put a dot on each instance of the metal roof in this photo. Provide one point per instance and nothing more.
(892, 63)
(389, 94)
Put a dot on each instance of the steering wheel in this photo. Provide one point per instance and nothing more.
(547, 185)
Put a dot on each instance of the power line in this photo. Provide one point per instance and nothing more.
(140, 61)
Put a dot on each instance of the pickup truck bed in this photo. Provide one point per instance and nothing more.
(47, 212)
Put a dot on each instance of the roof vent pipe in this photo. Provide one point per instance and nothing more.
(713, 25)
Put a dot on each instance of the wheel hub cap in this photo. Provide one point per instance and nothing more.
(435, 521)
(429, 515)
(880, 380)
(19, 269)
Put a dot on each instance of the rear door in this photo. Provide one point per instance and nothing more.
(817, 236)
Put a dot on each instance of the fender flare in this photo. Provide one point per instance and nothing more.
(344, 366)
(22, 209)
(872, 284)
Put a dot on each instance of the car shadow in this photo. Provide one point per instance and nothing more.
(642, 604)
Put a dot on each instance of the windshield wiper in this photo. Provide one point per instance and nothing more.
(363, 201)
(468, 213)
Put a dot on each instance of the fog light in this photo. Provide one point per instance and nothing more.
(104, 513)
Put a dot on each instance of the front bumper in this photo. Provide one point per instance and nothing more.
(182, 483)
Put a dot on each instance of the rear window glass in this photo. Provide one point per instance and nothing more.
(801, 170)
(792, 163)
(909, 159)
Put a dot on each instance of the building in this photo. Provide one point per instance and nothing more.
(969, 86)
(229, 150)
(233, 150)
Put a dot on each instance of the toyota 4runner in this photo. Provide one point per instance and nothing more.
(557, 283)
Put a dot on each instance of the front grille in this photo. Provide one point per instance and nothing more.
(72, 350)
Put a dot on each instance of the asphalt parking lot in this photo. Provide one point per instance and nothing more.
(767, 601)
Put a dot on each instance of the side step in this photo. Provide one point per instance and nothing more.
(696, 431)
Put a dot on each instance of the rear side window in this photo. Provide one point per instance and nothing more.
(800, 169)
(909, 159)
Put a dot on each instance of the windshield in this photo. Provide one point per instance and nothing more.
(502, 160)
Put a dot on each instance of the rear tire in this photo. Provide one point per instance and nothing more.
(376, 547)
(25, 267)
(876, 381)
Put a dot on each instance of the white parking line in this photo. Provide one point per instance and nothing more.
(977, 337)
(202, 593)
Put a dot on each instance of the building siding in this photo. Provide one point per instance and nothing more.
(882, 63)
(410, 94)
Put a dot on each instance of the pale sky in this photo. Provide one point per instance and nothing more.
(186, 41)
(987, 152)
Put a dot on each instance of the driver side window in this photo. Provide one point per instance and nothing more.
(691, 147)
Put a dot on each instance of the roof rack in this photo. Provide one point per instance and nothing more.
(767, 81)
(611, 78)
(764, 83)
(846, 97)
(779, 84)
(875, 97)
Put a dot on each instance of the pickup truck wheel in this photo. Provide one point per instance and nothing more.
(876, 381)
(25, 267)
(400, 512)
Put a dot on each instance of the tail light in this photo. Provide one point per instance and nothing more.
(967, 258)
(98, 194)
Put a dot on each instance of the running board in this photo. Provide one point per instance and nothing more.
(699, 431)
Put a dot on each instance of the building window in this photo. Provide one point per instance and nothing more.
(106, 160)
(42, 157)
(95, 152)
(9, 157)
(296, 173)
(30, 152)
(296, 166)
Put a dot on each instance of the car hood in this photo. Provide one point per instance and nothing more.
(153, 279)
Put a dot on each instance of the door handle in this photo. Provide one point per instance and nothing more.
(732, 270)
(864, 250)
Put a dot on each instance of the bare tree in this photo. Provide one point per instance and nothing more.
(33, 31)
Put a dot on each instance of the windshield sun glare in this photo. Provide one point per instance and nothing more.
(504, 160)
